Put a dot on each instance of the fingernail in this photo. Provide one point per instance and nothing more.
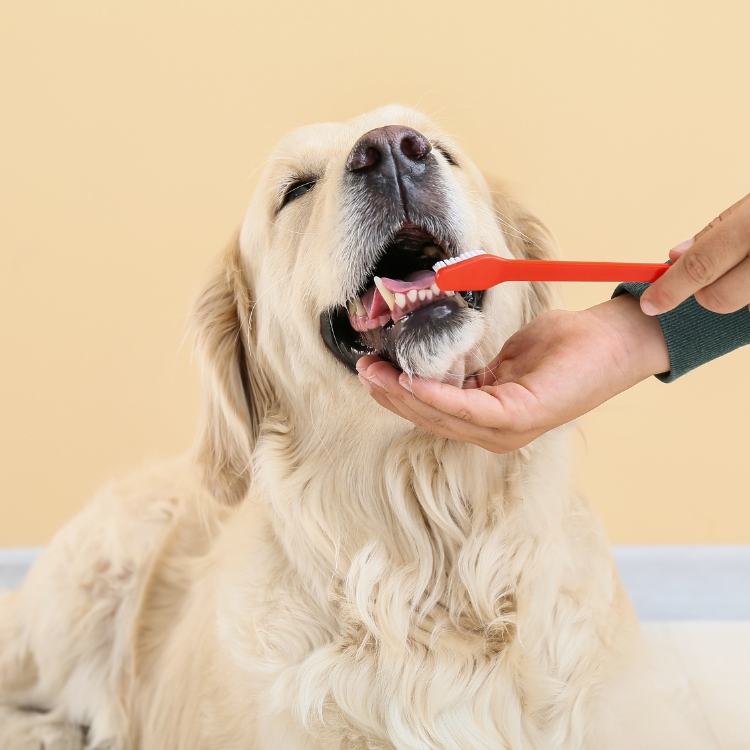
(648, 307)
(405, 382)
(365, 382)
(686, 245)
(360, 369)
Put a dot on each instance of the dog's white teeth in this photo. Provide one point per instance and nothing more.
(351, 308)
(431, 251)
(385, 293)
(435, 289)
(412, 295)
(400, 299)
(359, 308)
(427, 294)
(422, 293)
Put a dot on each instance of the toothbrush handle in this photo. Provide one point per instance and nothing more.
(485, 271)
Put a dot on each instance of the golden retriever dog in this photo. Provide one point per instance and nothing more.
(318, 573)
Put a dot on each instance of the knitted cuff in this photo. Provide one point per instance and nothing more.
(695, 335)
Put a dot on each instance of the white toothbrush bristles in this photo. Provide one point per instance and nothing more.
(464, 256)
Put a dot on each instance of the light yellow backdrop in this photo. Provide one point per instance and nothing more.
(130, 139)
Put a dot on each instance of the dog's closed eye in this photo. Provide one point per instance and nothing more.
(297, 189)
(446, 153)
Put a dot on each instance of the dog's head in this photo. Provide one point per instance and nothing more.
(334, 261)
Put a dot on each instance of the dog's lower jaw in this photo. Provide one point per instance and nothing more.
(446, 355)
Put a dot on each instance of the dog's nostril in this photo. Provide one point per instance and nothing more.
(415, 146)
(364, 156)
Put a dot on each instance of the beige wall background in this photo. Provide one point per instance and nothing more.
(130, 139)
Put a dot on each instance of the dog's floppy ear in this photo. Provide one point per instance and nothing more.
(527, 237)
(235, 393)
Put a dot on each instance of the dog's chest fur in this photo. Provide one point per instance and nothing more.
(426, 607)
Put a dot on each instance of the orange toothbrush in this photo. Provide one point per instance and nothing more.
(477, 270)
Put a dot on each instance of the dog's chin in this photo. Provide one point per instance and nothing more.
(437, 342)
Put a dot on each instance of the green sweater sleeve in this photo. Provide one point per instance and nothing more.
(695, 335)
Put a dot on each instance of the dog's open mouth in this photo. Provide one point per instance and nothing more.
(399, 294)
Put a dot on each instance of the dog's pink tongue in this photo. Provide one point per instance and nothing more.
(373, 300)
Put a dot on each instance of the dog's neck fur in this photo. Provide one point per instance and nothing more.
(409, 545)
(412, 581)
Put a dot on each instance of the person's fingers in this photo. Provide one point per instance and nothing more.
(475, 406)
(382, 398)
(483, 376)
(678, 250)
(697, 270)
(707, 260)
(723, 216)
(704, 258)
(730, 292)
(435, 426)
(383, 383)
(364, 362)
(438, 423)
(377, 389)
(509, 410)
(435, 422)
(383, 374)
(433, 418)
(493, 417)
(499, 435)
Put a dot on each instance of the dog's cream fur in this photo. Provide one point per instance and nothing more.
(320, 574)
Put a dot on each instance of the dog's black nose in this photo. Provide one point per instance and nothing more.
(369, 151)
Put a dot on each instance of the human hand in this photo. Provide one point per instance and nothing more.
(714, 266)
(556, 368)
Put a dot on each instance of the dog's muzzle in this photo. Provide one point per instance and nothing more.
(393, 177)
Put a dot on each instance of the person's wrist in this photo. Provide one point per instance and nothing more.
(637, 340)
